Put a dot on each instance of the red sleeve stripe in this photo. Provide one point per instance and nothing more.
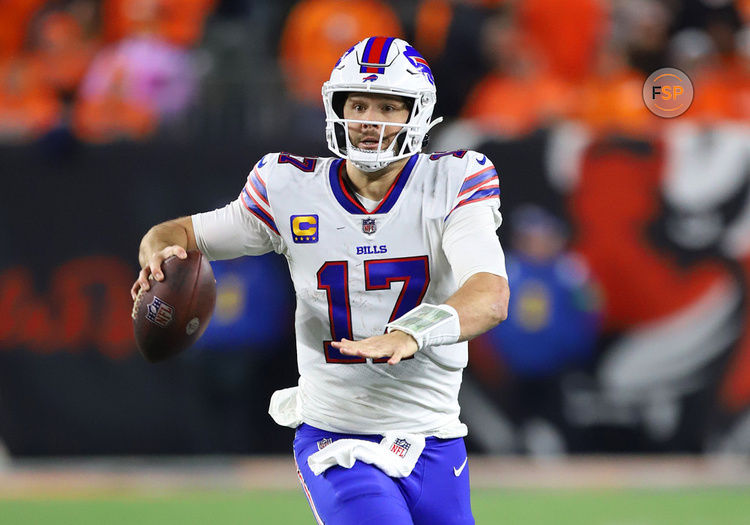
(493, 181)
(464, 203)
(253, 207)
(481, 195)
(257, 174)
(484, 174)
(260, 190)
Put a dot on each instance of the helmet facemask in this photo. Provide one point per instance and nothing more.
(398, 76)
(406, 142)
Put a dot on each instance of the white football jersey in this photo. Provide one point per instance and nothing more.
(354, 271)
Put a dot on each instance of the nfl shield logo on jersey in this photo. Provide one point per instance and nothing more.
(369, 226)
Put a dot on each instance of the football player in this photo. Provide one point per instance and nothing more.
(396, 264)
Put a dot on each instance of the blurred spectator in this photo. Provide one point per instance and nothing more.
(249, 306)
(743, 6)
(610, 100)
(16, 15)
(28, 107)
(316, 32)
(690, 50)
(643, 28)
(517, 97)
(141, 80)
(112, 115)
(564, 35)
(179, 22)
(431, 25)
(555, 318)
(553, 324)
(63, 51)
(722, 86)
(236, 355)
(462, 62)
(433, 20)
(699, 13)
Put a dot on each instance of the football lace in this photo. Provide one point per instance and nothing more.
(137, 303)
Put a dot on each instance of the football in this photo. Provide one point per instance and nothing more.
(174, 312)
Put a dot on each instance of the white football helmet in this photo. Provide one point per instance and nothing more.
(388, 66)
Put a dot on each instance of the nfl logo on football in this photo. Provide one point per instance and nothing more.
(159, 312)
(400, 447)
(369, 226)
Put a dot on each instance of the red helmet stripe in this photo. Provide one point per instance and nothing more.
(373, 57)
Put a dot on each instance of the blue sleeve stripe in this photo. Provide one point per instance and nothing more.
(478, 195)
(477, 183)
(476, 179)
(253, 207)
(258, 186)
(481, 195)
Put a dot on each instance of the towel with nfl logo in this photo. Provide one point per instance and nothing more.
(395, 455)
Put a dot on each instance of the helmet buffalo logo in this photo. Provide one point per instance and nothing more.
(371, 78)
(344, 56)
(419, 62)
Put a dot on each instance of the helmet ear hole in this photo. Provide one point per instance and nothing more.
(410, 104)
(400, 138)
(337, 103)
(339, 131)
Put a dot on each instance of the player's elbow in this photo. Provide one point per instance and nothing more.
(499, 304)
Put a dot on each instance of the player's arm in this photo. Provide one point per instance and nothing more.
(242, 227)
(479, 304)
(175, 237)
(477, 261)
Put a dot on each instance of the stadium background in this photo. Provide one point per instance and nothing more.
(628, 236)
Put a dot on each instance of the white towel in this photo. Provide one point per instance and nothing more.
(285, 407)
(395, 455)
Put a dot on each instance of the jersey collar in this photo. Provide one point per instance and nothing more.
(348, 200)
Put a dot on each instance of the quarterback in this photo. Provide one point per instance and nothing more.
(396, 264)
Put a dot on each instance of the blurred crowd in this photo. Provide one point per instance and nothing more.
(107, 70)
(103, 70)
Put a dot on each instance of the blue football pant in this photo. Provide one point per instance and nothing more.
(364, 495)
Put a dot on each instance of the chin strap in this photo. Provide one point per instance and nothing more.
(370, 167)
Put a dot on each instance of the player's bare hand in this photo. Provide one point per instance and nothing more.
(395, 345)
(152, 268)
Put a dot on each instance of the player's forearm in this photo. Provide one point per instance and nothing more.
(177, 232)
(481, 303)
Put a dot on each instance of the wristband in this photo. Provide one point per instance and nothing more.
(429, 325)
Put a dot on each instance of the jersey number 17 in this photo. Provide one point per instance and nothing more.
(333, 277)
